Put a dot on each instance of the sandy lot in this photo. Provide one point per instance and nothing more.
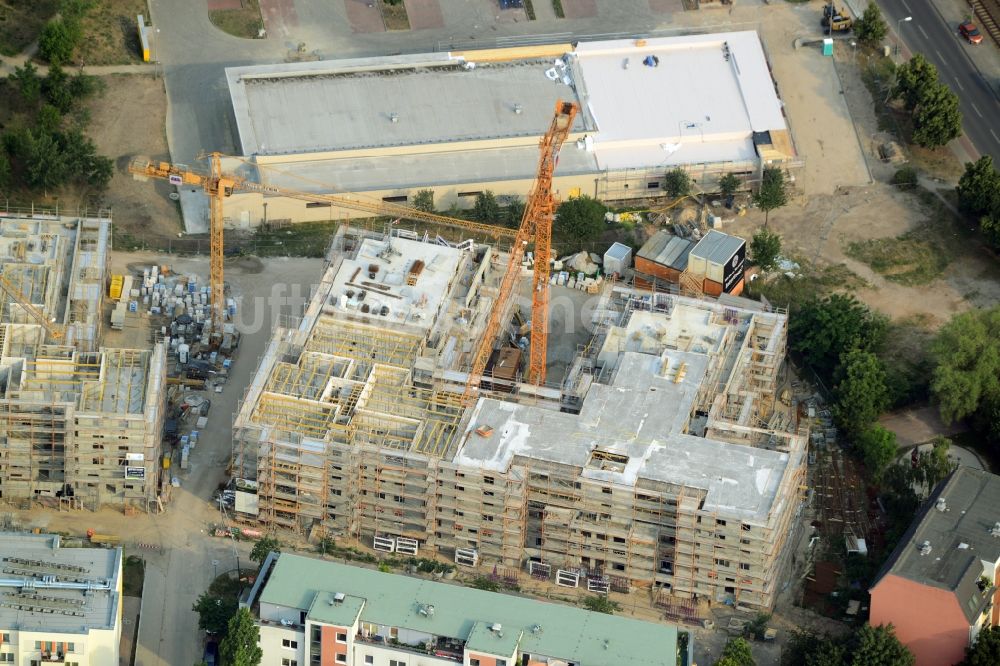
(128, 120)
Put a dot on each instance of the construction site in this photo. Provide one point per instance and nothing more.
(80, 424)
(661, 461)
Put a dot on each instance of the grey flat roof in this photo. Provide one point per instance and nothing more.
(618, 251)
(643, 414)
(717, 247)
(46, 607)
(350, 104)
(392, 600)
(402, 172)
(666, 249)
(960, 537)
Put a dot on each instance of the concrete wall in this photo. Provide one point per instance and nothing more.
(928, 620)
(271, 637)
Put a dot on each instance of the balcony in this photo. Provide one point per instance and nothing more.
(51, 658)
(445, 649)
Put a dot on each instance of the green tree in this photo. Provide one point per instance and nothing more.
(677, 183)
(49, 119)
(966, 377)
(27, 82)
(937, 118)
(58, 40)
(600, 604)
(580, 219)
(765, 247)
(215, 611)
(424, 200)
(513, 212)
(825, 329)
(240, 646)
(772, 193)
(933, 466)
(42, 163)
(913, 80)
(979, 187)
(737, 652)
(57, 89)
(486, 210)
(860, 395)
(82, 162)
(877, 448)
(826, 652)
(878, 646)
(6, 175)
(263, 548)
(729, 183)
(905, 178)
(990, 226)
(986, 650)
(871, 28)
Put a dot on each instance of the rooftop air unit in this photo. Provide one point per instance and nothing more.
(925, 548)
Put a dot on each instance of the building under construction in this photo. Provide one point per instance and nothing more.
(661, 461)
(79, 423)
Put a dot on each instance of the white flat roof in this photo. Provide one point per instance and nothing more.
(701, 101)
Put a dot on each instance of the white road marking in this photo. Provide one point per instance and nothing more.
(995, 138)
(907, 7)
(942, 57)
(959, 84)
(922, 31)
(976, 109)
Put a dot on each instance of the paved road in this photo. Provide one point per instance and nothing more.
(928, 33)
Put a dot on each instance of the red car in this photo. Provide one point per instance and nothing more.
(970, 32)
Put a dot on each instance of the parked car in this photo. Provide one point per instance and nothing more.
(970, 32)
(211, 656)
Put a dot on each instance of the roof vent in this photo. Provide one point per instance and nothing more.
(517, 109)
(925, 548)
(496, 627)
(536, 629)
(941, 505)
(338, 598)
(996, 529)
(427, 610)
(394, 117)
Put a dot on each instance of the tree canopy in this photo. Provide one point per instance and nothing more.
(736, 653)
(240, 645)
(486, 210)
(824, 329)
(423, 200)
(877, 448)
(936, 116)
(729, 183)
(966, 378)
(985, 651)
(871, 28)
(979, 187)
(765, 247)
(677, 183)
(217, 605)
(860, 394)
(878, 646)
(263, 547)
(772, 193)
(580, 219)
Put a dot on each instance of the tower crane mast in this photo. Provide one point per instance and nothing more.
(536, 227)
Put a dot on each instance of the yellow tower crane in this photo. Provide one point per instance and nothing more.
(219, 185)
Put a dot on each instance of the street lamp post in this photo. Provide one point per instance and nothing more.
(899, 34)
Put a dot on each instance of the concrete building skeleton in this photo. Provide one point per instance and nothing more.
(78, 422)
(662, 461)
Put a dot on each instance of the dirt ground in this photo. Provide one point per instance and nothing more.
(111, 35)
(128, 120)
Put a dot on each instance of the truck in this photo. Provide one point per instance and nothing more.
(836, 19)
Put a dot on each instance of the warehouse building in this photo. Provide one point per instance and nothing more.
(318, 612)
(59, 605)
(80, 423)
(661, 462)
(377, 126)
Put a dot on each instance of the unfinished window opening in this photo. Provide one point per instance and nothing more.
(401, 198)
(608, 461)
